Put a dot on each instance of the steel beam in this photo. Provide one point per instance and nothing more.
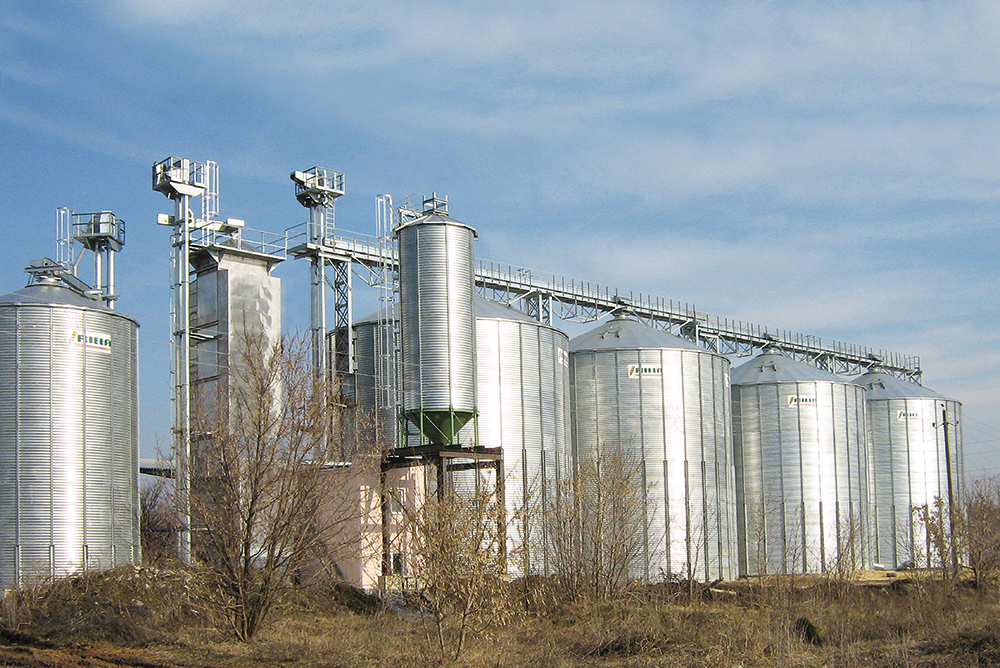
(584, 301)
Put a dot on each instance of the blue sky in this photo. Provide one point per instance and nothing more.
(827, 168)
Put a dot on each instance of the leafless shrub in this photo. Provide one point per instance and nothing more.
(597, 532)
(157, 525)
(458, 542)
(849, 557)
(970, 533)
(936, 520)
(127, 604)
(978, 526)
(259, 496)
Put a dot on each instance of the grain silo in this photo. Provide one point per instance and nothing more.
(437, 322)
(664, 401)
(522, 375)
(375, 380)
(802, 468)
(914, 434)
(69, 434)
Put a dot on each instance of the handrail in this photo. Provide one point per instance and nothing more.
(574, 295)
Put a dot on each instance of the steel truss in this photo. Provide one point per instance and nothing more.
(317, 189)
(547, 298)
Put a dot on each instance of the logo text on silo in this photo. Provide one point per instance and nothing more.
(794, 401)
(100, 342)
(640, 371)
(907, 415)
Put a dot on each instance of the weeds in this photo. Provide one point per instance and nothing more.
(127, 605)
(799, 623)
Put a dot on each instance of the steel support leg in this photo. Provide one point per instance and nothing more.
(317, 316)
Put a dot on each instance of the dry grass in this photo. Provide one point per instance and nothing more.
(129, 605)
(912, 623)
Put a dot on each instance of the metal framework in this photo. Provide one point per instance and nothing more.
(550, 297)
(385, 279)
(180, 179)
(317, 189)
(103, 234)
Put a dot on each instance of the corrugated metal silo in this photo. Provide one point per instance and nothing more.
(522, 372)
(374, 337)
(437, 320)
(907, 440)
(69, 496)
(802, 468)
(658, 397)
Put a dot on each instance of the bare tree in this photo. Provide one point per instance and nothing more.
(597, 532)
(157, 524)
(458, 545)
(978, 527)
(259, 497)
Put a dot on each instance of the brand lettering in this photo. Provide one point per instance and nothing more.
(100, 342)
(640, 371)
(794, 401)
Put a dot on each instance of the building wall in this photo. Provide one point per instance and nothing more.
(235, 303)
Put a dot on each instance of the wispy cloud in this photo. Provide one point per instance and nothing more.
(806, 281)
(826, 167)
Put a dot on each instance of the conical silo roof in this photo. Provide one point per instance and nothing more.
(623, 333)
(51, 291)
(489, 309)
(435, 217)
(777, 368)
(376, 317)
(881, 385)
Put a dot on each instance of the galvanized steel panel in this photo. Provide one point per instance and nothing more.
(802, 463)
(908, 454)
(382, 417)
(437, 317)
(69, 441)
(668, 405)
(523, 391)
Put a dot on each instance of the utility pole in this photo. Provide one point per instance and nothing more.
(951, 492)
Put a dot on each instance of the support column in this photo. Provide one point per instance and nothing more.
(181, 323)
(317, 315)
(343, 362)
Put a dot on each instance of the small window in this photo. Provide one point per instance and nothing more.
(396, 501)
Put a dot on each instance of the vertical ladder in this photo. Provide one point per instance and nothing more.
(386, 334)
